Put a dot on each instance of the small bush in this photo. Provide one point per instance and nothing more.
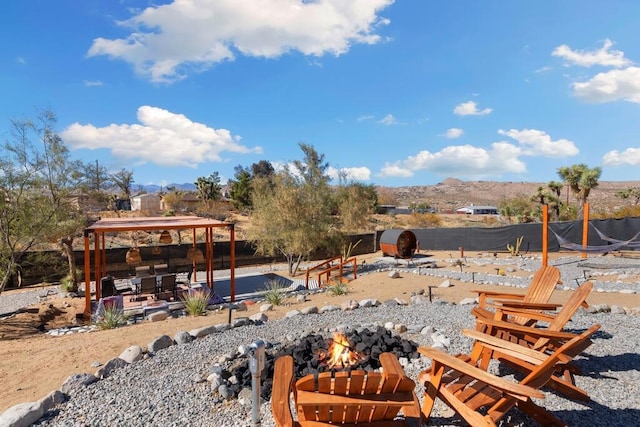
(427, 219)
(112, 317)
(338, 288)
(195, 303)
(274, 292)
(66, 283)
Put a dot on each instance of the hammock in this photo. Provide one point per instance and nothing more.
(564, 243)
(611, 239)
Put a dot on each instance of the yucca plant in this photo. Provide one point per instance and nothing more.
(274, 292)
(338, 288)
(196, 302)
(111, 317)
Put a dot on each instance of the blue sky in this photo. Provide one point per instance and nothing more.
(393, 93)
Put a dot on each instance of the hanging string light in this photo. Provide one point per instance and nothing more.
(133, 256)
(165, 237)
(194, 254)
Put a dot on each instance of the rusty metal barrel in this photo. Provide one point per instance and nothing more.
(398, 243)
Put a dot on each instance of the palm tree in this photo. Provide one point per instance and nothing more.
(581, 179)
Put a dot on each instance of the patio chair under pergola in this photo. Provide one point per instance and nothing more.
(121, 225)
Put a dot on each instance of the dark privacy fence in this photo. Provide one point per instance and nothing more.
(496, 239)
(38, 267)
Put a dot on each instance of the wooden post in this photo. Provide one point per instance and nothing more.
(545, 234)
(585, 227)
(232, 267)
(87, 277)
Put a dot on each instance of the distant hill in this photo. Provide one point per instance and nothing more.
(453, 193)
(152, 188)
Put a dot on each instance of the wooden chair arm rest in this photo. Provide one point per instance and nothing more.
(502, 312)
(526, 305)
(539, 332)
(518, 391)
(498, 294)
(512, 349)
(281, 390)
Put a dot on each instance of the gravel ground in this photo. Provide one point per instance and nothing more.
(10, 303)
(166, 388)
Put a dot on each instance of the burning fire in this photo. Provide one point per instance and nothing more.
(340, 354)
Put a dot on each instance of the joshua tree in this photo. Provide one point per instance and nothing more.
(581, 179)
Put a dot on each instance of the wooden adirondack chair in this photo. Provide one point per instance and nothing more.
(345, 398)
(541, 339)
(467, 388)
(540, 290)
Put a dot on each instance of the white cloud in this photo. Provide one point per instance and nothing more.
(167, 42)
(630, 156)
(388, 120)
(92, 83)
(467, 161)
(602, 56)
(454, 133)
(542, 70)
(365, 118)
(162, 137)
(613, 85)
(21, 60)
(460, 160)
(538, 143)
(470, 108)
(362, 173)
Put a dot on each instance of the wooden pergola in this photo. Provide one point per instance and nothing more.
(120, 225)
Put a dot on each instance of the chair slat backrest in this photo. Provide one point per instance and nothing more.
(148, 285)
(543, 284)
(357, 396)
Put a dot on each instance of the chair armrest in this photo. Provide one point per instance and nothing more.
(526, 305)
(502, 312)
(498, 294)
(281, 390)
(538, 332)
(518, 391)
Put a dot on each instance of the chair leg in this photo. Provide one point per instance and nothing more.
(432, 380)
(539, 414)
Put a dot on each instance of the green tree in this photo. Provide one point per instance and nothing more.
(262, 169)
(291, 213)
(517, 209)
(355, 203)
(549, 196)
(123, 180)
(36, 181)
(581, 180)
(209, 187)
(240, 188)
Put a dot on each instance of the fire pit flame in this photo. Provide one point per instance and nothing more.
(340, 354)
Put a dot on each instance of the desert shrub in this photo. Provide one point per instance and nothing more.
(627, 211)
(111, 317)
(196, 302)
(66, 283)
(490, 221)
(274, 292)
(426, 219)
(338, 288)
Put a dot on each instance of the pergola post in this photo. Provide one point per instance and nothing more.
(87, 277)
